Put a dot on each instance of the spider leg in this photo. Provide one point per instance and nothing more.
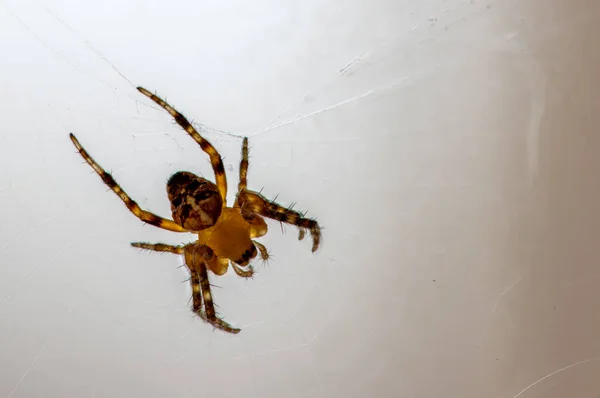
(253, 202)
(209, 307)
(196, 257)
(196, 294)
(215, 158)
(264, 253)
(241, 272)
(158, 247)
(143, 215)
(243, 171)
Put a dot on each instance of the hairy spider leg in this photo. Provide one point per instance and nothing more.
(253, 202)
(196, 258)
(143, 215)
(215, 158)
(199, 288)
(196, 294)
(264, 253)
(243, 172)
(243, 273)
(258, 226)
(158, 247)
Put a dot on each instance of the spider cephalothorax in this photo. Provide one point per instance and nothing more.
(225, 234)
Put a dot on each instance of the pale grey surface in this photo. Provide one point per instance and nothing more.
(449, 148)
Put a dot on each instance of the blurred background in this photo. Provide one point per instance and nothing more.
(448, 148)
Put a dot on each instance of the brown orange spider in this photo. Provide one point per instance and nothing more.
(225, 234)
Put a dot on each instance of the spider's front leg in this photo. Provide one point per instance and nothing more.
(196, 258)
(254, 203)
(133, 207)
(215, 158)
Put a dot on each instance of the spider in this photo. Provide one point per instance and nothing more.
(226, 235)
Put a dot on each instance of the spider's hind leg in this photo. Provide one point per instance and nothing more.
(196, 257)
(158, 247)
(254, 203)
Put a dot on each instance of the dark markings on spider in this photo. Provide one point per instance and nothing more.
(226, 235)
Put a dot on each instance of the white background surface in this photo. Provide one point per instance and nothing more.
(449, 148)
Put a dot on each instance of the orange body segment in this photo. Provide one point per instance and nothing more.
(229, 237)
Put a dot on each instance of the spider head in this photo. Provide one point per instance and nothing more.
(195, 202)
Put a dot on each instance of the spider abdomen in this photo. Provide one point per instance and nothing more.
(195, 201)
